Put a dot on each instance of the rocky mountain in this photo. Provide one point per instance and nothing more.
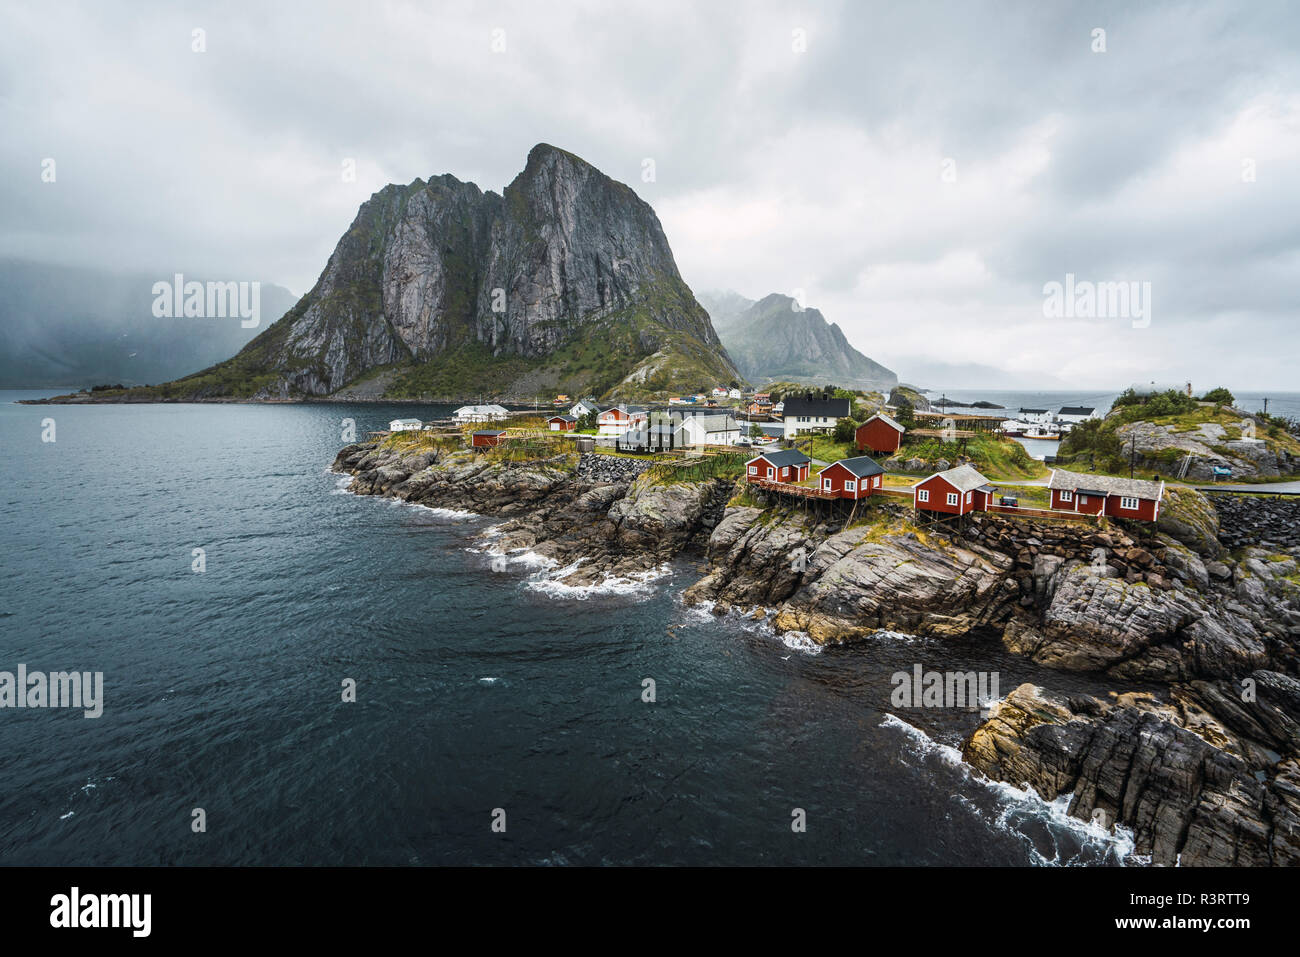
(564, 282)
(68, 326)
(774, 340)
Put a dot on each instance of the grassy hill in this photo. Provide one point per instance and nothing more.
(1159, 434)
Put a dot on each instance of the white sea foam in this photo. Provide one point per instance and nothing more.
(1019, 806)
(451, 514)
(637, 583)
(755, 620)
(488, 681)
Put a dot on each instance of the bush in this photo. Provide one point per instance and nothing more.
(1219, 396)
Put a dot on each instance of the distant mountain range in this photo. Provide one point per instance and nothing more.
(775, 340)
(563, 283)
(65, 326)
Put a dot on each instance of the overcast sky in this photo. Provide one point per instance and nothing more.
(916, 171)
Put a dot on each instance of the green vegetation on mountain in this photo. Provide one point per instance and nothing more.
(776, 339)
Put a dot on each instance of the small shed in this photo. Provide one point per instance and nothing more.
(487, 439)
(562, 423)
(879, 434)
(405, 425)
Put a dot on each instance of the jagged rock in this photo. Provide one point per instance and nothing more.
(1188, 517)
(1186, 800)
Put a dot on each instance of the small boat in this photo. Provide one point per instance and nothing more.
(1043, 436)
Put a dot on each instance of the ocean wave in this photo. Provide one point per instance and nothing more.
(637, 583)
(1018, 811)
(755, 620)
(342, 487)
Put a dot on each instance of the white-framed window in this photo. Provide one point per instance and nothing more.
(769, 471)
(850, 486)
(1129, 503)
(1083, 500)
(1067, 496)
(826, 484)
(953, 498)
(753, 470)
(968, 495)
(923, 495)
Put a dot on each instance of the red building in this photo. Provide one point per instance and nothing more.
(879, 434)
(562, 423)
(852, 478)
(487, 439)
(1103, 495)
(620, 418)
(787, 465)
(954, 492)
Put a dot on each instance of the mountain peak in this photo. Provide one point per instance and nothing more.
(566, 281)
(774, 340)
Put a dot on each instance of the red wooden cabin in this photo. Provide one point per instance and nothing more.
(879, 434)
(852, 478)
(786, 465)
(1104, 495)
(487, 439)
(954, 492)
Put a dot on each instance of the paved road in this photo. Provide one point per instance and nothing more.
(1292, 487)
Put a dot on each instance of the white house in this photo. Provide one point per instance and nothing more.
(583, 407)
(812, 413)
(480, 413)
(405, 425)
(710, 430)
(734, 394)
(1035, 416)
(719, 393)
(1074, 414)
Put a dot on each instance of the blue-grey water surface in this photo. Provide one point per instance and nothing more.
(476, 689)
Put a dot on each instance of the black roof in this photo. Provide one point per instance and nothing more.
(1034, 411)
(861, 466)
(784, 457)
(566, 418)
(1090, 491)
(1077, 410)
(814, 405)
(491, 432)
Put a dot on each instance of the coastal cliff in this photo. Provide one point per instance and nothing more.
(1204, 770)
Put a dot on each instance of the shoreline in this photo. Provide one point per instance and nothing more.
(1157, 613)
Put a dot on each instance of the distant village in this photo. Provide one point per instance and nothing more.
(730, 420)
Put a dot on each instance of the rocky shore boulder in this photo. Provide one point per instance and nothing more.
(1136, 763)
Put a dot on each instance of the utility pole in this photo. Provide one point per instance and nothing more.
(1266, 405)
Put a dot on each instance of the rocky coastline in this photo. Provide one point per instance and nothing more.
(1204, 771)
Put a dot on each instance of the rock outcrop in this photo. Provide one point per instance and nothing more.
(1191, 790)
(593, 520)
(1211, 445)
